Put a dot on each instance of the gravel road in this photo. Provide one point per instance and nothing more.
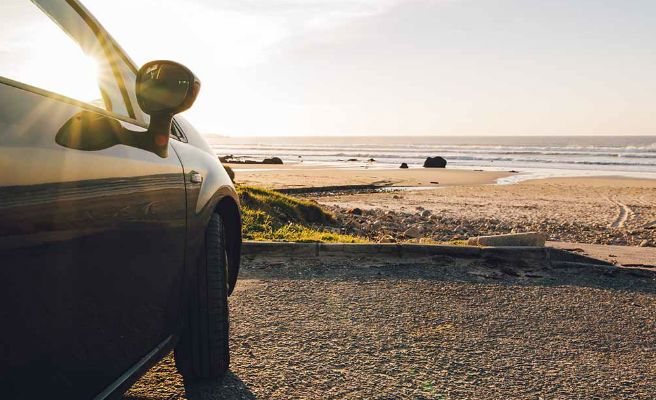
(448, 329)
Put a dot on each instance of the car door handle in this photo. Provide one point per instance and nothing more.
(195, 177)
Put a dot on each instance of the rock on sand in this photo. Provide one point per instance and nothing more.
(435, 162)
(272, 160)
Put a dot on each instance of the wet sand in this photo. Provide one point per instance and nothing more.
(296, 176)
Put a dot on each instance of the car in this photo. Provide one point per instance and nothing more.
(120, 231)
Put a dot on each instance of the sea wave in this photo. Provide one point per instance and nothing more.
(370, 150)
(348, 147)
(638, 160)
(386, 152)
(607, 153)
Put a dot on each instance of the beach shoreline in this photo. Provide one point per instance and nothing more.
(534, 156)
(607, 210)
(318, 174)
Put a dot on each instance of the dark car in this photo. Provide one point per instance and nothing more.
(120, 231)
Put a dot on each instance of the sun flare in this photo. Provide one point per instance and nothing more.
(42, 55)
(76, 77)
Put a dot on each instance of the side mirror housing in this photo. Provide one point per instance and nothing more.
(164, 88)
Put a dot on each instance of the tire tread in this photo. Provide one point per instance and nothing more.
(203, 351)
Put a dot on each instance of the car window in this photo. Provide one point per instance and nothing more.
(47, 44)
(176, 132)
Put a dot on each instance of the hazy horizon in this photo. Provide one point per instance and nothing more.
(396, 67)
(473, 135)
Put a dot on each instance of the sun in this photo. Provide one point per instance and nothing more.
(37, 52)
(65, 69)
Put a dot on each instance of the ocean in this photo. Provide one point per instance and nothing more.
(534, 156)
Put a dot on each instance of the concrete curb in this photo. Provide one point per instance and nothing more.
(252, 249)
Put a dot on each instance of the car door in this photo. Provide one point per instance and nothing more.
(92, 239)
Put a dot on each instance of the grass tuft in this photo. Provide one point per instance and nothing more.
(269, 215)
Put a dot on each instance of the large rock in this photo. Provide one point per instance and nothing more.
(404, 165)
(272, 160)
(536, 239)
(238, 160)
(435, 162)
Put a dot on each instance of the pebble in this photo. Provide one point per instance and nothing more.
(413, 232)
(387, 239)
(441, 223)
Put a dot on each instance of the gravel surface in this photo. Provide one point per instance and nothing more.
(440, 330)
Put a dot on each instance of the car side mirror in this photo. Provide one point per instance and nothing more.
(164, 88)
(90, 131)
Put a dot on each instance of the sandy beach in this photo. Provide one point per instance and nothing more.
(299, 175)
(466, 203)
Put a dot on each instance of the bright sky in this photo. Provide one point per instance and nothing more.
(403, 67)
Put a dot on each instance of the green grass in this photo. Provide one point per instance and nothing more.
(269, 215)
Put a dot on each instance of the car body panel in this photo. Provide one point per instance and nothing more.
(203, 199)
(98, 244)
(93, 247)
(216, 194)
(216, 182)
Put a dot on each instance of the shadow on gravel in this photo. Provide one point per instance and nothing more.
(230, 388)
(450, 269)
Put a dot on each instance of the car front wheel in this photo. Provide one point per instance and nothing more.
(203, 351)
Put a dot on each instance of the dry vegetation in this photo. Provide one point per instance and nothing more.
(269, 215)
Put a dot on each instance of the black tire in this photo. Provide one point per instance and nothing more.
(203, 351)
